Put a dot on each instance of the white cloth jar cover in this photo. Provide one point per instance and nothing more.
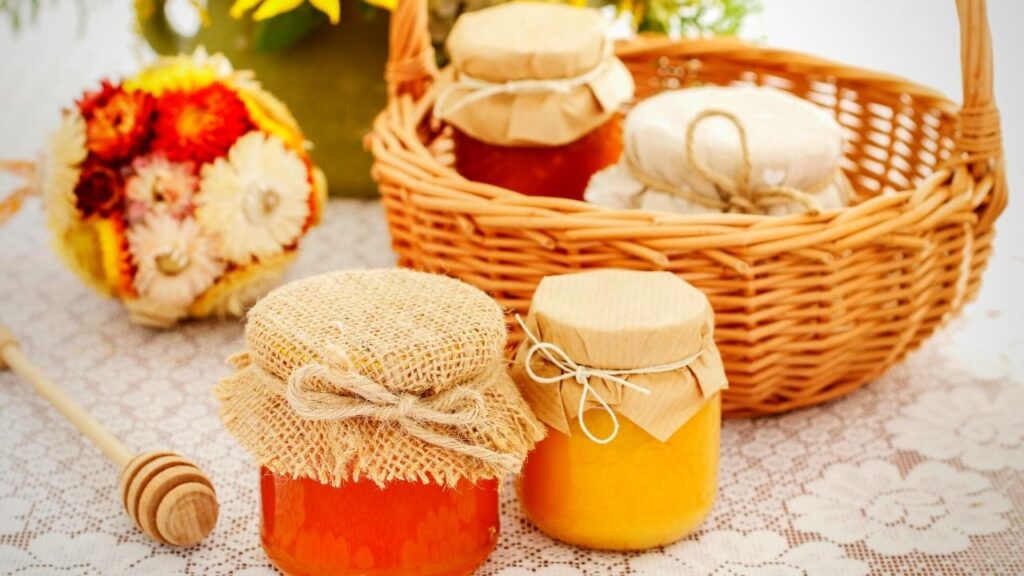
(685, 149)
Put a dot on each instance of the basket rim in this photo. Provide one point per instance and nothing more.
(401, 158)
(650, 45)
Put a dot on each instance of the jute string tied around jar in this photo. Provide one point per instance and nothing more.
(360, 397)
(736, 195)
(630, 344)
(390, 375)
(476, 89)
(582, 374)
(552, 89)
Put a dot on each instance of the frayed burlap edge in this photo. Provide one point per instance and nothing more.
(255, 411)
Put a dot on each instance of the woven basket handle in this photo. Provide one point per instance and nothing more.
(980, 134)
(980, 118)
(411, 62)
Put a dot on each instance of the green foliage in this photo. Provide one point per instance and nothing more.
(286, 29)
(695, 17)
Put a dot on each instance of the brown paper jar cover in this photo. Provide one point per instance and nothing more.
(534, 41)
(379, 341)
(623, 320)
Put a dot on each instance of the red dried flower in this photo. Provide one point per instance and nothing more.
(117, 122)
(200, 125)
(100, 189)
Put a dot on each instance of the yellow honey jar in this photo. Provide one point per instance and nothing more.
(622, 368)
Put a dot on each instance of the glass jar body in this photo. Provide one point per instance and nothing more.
(633, 493)
(405, 528)
(561, 171)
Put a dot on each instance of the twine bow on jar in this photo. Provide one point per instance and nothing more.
(356, 396)
(739, 195)
(572, 370)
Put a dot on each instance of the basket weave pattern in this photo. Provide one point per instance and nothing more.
(808, 308)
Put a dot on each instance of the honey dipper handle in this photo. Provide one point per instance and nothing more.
(12, 357)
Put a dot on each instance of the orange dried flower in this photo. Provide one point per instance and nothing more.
(117, 121)
(200, 125)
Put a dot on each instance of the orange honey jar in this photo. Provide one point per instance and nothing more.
(382, 438)
(536, 100)
(622, 368)
(405, 528)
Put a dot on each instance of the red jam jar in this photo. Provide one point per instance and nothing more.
(382, 438)
(401, 529)
(536, 99)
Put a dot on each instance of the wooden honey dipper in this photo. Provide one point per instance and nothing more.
(168, 497)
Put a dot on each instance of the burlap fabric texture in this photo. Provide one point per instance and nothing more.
(380, 374)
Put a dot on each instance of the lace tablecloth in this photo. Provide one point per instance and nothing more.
(921, 472)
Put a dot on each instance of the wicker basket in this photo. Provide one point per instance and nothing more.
(808, 308)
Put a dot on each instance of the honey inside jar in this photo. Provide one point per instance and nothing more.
(630, 494)
(359, 528)
(562, 171)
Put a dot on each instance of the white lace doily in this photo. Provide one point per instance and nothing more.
(921, 472)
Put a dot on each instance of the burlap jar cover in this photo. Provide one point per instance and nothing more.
(547, 87)
(635, 344)
(383, 374)
(726, 149)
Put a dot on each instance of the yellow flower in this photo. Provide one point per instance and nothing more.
(272, 116)
(240, 288)
(187, 72)
(271, 8)
(94, 251)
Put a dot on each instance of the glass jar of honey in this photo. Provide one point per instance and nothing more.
(535, 103)
(405, 529)
(622, 368)
(382, 437)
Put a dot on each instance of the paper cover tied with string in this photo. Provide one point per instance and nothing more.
(709, 149)
(532, 74)
(637, 345)
(383, 375)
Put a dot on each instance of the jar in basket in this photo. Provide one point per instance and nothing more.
(622, 368)
(535, 103)
(382, 438)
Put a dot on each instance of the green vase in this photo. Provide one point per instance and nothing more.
(332, 78)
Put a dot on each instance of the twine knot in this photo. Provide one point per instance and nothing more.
(738, 195)
(355, 395)
(406, 406)
(572, 370)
